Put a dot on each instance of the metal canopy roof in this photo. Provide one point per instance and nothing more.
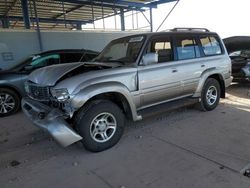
(57, 14)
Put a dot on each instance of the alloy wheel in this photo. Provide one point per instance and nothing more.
(7, 103)
(211, 95)
(103, 127)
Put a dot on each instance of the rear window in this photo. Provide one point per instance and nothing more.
(187, 48)
(210, 46)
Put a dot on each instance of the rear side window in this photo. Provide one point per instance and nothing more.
(187, 48)
(210, 46)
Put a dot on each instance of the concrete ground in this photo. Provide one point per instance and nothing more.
(185, 148)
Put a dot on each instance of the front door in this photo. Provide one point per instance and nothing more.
(160, 81)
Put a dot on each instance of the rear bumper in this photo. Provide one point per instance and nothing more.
(50, 120)
(228, 81)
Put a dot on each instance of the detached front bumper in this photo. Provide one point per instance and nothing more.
(51, 120)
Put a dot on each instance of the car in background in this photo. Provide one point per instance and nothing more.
(12, 80)
(238, 48)
(240, 65)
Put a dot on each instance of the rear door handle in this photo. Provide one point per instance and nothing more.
(202, 65)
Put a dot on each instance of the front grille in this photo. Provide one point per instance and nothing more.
(37, 92)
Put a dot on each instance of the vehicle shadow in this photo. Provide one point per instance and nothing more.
(241, 90)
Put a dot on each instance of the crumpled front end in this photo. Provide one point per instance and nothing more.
(50, 119)
(246, 71)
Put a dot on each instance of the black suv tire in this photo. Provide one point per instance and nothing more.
(101, 124)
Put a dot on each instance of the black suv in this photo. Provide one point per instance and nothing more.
(12, 80)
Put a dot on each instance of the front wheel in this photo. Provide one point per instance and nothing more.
(210, 95)
(101, 124)
(9, 102)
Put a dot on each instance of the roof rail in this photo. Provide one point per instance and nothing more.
(189, 29)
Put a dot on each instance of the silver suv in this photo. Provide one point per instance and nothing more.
(89, 101)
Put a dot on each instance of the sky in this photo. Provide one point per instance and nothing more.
(226, 17)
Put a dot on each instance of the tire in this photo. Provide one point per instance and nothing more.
(209, 101)
(9, 102)
(101, 124)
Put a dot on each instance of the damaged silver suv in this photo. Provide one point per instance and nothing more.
(90, 101)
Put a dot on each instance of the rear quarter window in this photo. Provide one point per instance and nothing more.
(210, 45)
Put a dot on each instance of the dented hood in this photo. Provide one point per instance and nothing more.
(48, 76)
(237, 43)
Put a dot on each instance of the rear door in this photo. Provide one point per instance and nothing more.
(189, 62)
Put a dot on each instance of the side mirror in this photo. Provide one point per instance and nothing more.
(150, 58)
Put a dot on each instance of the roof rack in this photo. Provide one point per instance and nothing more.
(189, 29)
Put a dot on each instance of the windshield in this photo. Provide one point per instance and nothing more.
(24, 61)
(37, 61)
(124, 50)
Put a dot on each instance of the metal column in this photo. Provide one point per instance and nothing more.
(5, 23)
(25, 10)
(38, 27)
(79, 26)
(122, 19)
(151, 19)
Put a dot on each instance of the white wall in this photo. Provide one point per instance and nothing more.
(16, 45)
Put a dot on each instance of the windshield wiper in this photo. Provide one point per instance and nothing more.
(114, 61)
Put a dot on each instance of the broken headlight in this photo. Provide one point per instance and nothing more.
(60, 94)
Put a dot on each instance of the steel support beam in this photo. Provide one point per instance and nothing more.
(10, 7)
(25, 10)
(151, 19)
(113, 4)
(38, 27)
(122, 19)
(129, 3)
(47, 20)
(79, 26)
(5, 23)
(160, 2)
(177, 1)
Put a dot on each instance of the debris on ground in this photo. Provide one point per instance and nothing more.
(14, 163)
(3, 141)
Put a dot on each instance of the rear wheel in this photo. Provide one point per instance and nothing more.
(101, 124)
(210, 95)
(9, 102)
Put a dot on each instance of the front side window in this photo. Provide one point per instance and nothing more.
(210, 46)
(187, 48)
(163, 48)
(124, 50)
